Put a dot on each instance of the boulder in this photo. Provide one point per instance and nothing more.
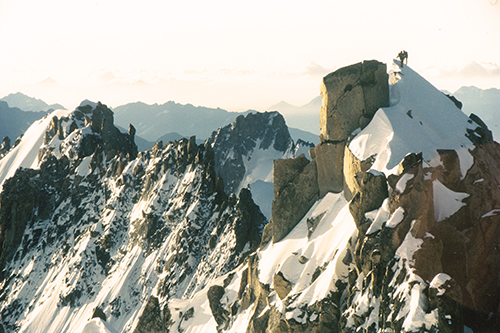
(351, 96)
(281, 285)
(220, 314)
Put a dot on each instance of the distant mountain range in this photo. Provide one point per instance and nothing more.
(187, 120)
(26, 103)
(171, 121)
(305, 117)
(14, 121)
(484, 103)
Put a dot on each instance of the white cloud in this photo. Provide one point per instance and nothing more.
(315, 69)
(475, 69)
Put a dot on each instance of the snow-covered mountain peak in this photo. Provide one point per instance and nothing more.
(77, 135)
(420, 118)
(378, 239)
(25, 154)
(245, 151)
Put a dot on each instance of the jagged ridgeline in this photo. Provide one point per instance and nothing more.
(391, 225)
(98, 226)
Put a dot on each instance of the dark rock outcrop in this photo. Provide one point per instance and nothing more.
(351, 96)
(446, 296)
(109, 137)
(248, 229)
(98, 313)
(293, 200)
(4, 146)
(480, 135)
(330, 162)
(372, 193)
(232, 143)
(151, 318)
(281, 285)
(220, 314)
(26, 198)
(455, 101)
(285, 171)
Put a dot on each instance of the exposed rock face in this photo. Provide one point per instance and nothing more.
(481, 135)
(281, 285)
(352, 167)
(330, 161)
(234, 143)
(351, 96)
(293, 200)
(373, 191)
(447, 245)
(164, 212)
(220, 314)
(21, 196)
(417, 251)
(151, 318)
(252, 291)
(285, 171)
(446, 296)
(4, 146)
(456, 257)
(113, 141)
(248, 227)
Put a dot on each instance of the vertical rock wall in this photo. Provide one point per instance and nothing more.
(351, 96)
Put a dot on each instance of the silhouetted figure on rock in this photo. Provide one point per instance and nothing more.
(403, 56)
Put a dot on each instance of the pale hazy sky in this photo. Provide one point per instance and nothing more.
(232, 54)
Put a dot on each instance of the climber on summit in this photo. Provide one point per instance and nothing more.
(403, 55)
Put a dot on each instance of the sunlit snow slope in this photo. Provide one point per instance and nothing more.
(420, 119)
(25, 154)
